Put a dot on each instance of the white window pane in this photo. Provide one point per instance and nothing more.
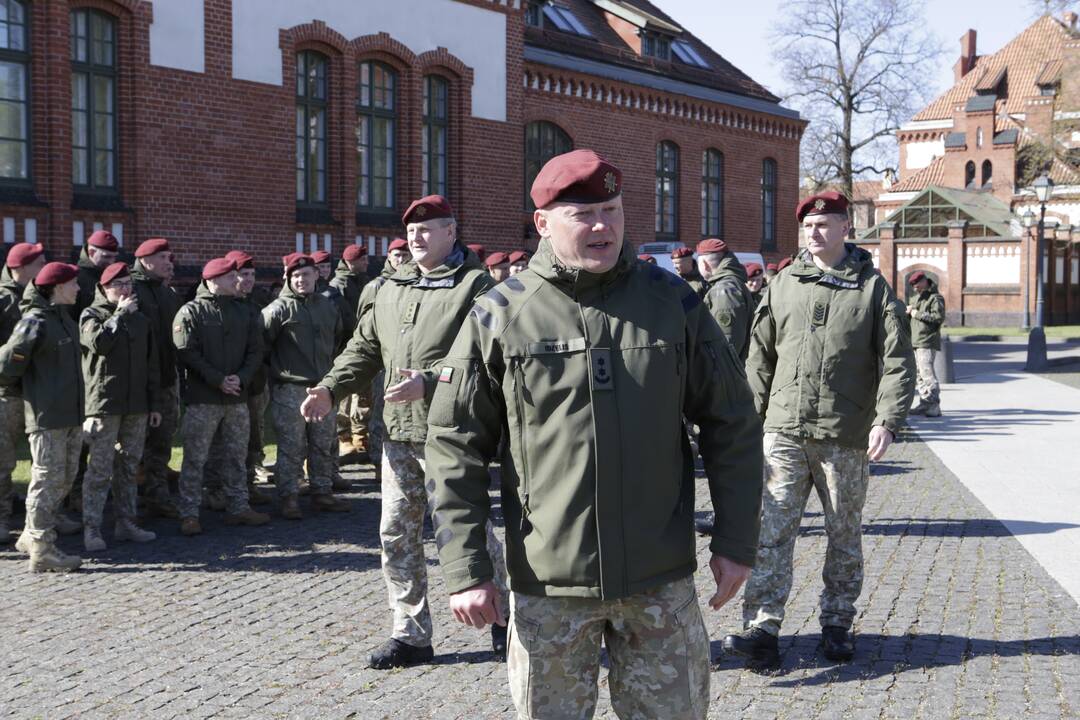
(30, 230)
(9, 230)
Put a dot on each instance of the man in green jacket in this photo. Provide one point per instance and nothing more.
(349, 279)
(588, 362)
(755, 283)
(726, 294)
(927, 315)
(351, 275)
(682, 259)
(301, 329)
(219, 347)
(832, 372)
(43, 355)
(98, 253)
(23, 262)
(150, 273)
(121, 378)
(409, 331)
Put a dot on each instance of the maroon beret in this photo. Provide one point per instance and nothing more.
(496, 258)
(354, 252)
(104, 240)
(320, 257)
(152, 247)
(295, 261)
(825, 203)
(398, 244)
(711, 246)
(772, 266)
(242, 259)
(647, 258)
(783, 264)
(430, 207)
(23, 254)
(681, 253)
(519, 256)
(480, 250)
(56, 273)
(217, 267)
(916, 277)
(753, 269)
(579, 176)
(116, 270)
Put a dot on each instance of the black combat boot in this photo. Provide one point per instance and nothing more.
(838, 643)
(498, 641)
(705, 524)
(760, 648)
(394, 653)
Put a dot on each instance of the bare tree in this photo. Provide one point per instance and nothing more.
(856, 69)
(1051, 7)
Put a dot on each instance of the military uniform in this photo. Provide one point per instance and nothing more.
(927, 316)
(411, 324)
(372, 419)
(355, 410)
(830, 358)
(730, 302)
(12, 426)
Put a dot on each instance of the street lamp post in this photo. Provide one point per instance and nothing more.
(1028, 218)
(1036, 350)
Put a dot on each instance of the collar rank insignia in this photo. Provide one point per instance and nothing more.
(609, 182)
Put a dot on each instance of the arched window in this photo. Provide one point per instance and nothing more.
(312, 86)
(667, 190)
(376, 128)
(987, 174)
(543, 141)
(14, 108)
(768, 204)
(436, 115)
(712, 193)
(93, 101)
(969, 175)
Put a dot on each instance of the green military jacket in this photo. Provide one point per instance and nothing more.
(731, 303)
(412, 324)
(348, 314)
(256, 300)
(301, 334)
(589, 377)
(43, 355)
(119, 361)
(89, 276)
(159, 303)
(927, 317)
(695, 281)
(349, 284)
(216, 336)
(367, 295)
(831, 355)
(11, 294)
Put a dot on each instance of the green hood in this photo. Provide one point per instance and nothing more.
(575, 280)
(730, 267)
(855, 268)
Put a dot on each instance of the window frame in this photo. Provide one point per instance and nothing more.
(666, 203)
(92, 70)
(986, 175)
(370, 111)
(769, 173)
(710, 181)
(23, 58)
(653, 43)
(970, 175)
(307, 103)
(430, 123)
(536, 160)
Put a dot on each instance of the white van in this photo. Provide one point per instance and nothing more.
(662, 252)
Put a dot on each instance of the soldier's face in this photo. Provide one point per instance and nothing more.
(500, 272)
(755, 282)
(358, 265)
(518, 267)
(101, 258)
(302, 280)
(430, 242)
(683, 265)
(118, 289)
(398, 257)
(245, 281)
(588, 236)
(160, 265)
(224, 284)
(324, 270)
(825, 234)
(922, 285)
(65, 293)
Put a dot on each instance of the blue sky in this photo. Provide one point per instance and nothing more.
(740, 30)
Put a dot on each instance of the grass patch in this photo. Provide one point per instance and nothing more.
(1055, 331)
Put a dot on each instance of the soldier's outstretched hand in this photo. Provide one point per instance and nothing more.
(317, 404)
(409, 390)
(880, 440)
(479, 606)
(729, 576)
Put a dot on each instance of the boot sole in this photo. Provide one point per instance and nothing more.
(407, 663)
(762, 660)
(34, 568)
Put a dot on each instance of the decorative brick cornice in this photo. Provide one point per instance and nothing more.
(382, 43)
(314, 33)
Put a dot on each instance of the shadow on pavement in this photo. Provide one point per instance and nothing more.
(952, 426)
(949, 527)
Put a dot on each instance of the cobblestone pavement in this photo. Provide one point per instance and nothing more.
(956, 621)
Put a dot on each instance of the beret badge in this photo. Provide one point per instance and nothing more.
(819, 205)
(610, 184)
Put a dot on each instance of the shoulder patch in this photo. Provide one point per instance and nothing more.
(496, 297)
(514, 284)
(484, 318)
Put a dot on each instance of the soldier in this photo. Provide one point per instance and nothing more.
(43, 355)
(927, 315)
(150, 275)
(352, 275)
(755, 282)
(408, 331)
(498, 266)
(345, 446)
(645, 257)
(832, 372)
(770, 272)
(350, 278)
(682, 259)
(519, 260)
(571, 357)
(220, 349)
(121, 377)
(98, 253)
(727, 296)
(301, 329)
(22, 265)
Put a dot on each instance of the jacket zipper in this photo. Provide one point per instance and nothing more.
(519, 400)
(596, 460)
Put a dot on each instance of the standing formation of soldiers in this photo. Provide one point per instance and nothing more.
(578, 370)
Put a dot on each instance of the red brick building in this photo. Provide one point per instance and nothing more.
(271, 125)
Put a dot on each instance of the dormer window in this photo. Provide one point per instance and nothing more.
(565, 20)
(686, 54)
(534, 14)
(654, 45)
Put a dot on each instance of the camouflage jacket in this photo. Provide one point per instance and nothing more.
(301, 334)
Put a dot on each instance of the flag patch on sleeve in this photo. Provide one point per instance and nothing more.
(446, 374)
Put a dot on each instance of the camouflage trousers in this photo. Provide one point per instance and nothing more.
(54, 460)
(116, 444)
(12, 427)
(315, 442)
(212, 472)
(200, 424)
(656, 640)
(401, 529)
(158, 447)
(840, 475)
(926, 383)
